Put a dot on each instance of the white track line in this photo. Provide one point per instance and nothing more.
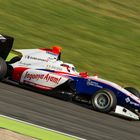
(78, 138)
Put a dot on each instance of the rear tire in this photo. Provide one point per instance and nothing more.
(133, 91)
(104, 100)
(3, 68)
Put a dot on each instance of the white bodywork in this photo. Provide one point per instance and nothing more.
(126, 113)
(2, 37)
(37, 63)
(39, 59)
(42, 79)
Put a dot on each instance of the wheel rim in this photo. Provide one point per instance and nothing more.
(102, 100)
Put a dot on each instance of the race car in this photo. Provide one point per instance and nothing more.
(43, 69)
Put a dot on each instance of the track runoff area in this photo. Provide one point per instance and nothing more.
(32, 130)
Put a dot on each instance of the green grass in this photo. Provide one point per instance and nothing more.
(32, 131)
(98, 36)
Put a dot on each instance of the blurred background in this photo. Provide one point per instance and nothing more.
(97, 36)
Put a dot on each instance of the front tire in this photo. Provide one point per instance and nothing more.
(133, 91)
(3, 68)
(104, 100)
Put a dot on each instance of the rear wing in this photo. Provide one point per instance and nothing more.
(6, 43)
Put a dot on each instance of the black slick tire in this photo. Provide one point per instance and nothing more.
(104, 100)
(133, 91)
(3, 68)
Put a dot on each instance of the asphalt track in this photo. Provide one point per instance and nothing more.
(64, 116)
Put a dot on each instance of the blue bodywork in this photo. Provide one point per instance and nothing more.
(88, 86)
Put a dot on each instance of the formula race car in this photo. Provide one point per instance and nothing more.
(43, 70)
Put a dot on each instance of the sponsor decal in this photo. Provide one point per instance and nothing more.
(52, 79)
(35, 58)
(26, 64)
(127, 100)
(52, 53)
(53, 67)
(93, 83)
(46, 77)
